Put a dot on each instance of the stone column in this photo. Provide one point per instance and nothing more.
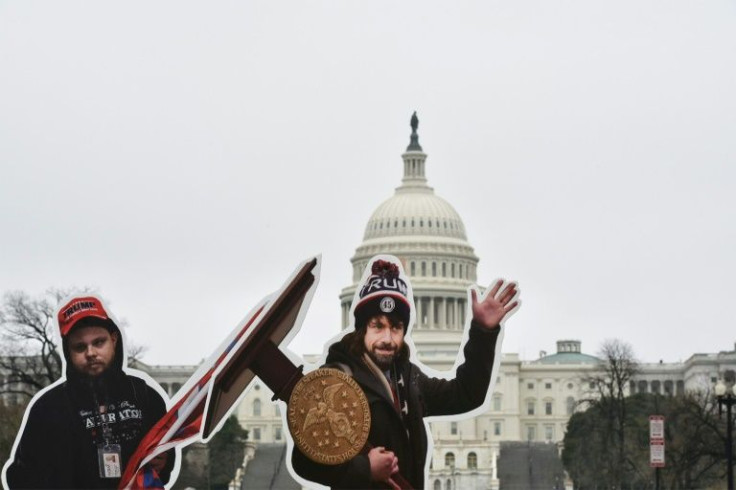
(443, 313)
(432, 323)
(455, 318)
(420, 311)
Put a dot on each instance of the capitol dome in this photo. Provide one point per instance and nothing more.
(414, 211)
(428, 236)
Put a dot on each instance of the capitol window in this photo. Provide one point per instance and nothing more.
(643, 387)
(668, 385)
(257, 407)
(449, 460)
(472, 461)
(548, 408)
(530, 407)
(549, 433)
(655, 387)
(497, 403)
(453, 428)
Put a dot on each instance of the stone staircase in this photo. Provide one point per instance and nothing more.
(530, 466)
(267, 470)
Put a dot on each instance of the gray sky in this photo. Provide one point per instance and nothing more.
(184, 157)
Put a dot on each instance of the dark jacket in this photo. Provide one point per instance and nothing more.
(58, 445)
(403, 431)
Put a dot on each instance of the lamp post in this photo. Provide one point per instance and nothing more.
(727, 396)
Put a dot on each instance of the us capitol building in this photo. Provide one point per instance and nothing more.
(531, 400)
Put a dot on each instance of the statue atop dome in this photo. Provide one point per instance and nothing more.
(414, 141)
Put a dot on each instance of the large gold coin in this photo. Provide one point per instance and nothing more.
(328, 416)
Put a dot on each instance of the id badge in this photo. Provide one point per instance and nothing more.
(108, 457)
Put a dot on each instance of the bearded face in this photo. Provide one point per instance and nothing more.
(92, 349)
(384, 338)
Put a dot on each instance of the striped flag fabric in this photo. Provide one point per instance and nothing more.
(181, 425)
(188, 419)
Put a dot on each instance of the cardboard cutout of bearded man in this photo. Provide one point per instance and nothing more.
(378, 354)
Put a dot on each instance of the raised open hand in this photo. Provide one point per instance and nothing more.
(495, 305)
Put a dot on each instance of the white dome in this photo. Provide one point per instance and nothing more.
(415, 211)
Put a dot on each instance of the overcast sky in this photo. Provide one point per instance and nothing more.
(183, 158)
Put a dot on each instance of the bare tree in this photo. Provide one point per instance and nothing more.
(617, 368)
(135, 352)
(609, 383)
(29, 359)
(694, 438)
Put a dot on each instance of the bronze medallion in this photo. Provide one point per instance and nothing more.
(328, 416)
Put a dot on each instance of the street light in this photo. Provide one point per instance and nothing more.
(727, 397)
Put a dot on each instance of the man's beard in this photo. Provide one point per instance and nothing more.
(383, 361)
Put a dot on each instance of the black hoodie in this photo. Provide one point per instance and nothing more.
(402, 431)
(59, 444)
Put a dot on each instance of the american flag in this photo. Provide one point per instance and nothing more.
(182, 423)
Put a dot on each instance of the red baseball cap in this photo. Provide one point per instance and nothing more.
(78, 309)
